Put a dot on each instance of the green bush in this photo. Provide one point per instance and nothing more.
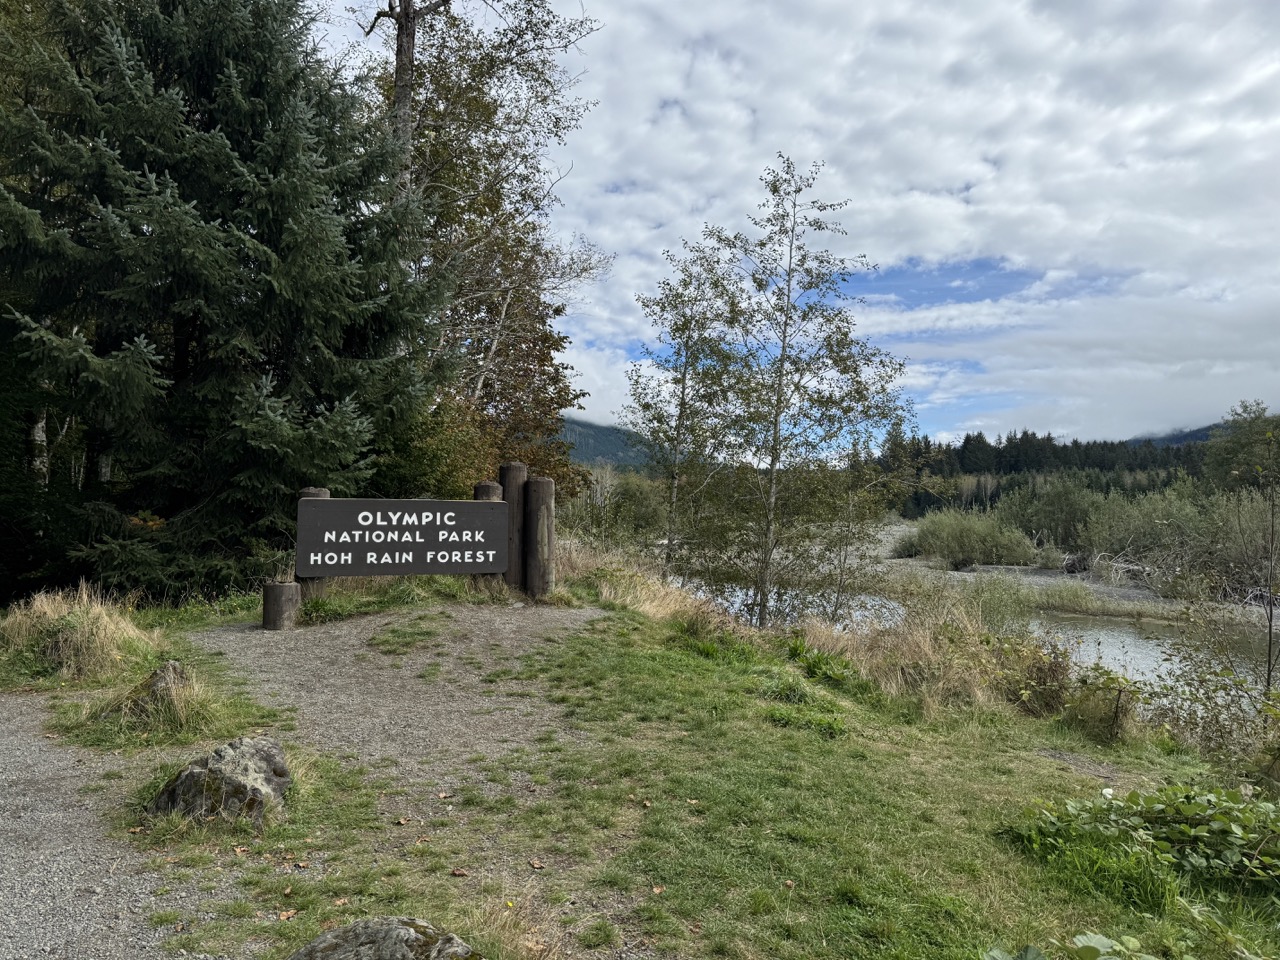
(1056, 511)
(1206, 835)
(963, 539)
(1162, 539)
(1103, 705)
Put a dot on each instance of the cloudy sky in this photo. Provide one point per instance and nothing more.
(1074, 204)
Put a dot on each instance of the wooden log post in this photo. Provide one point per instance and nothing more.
(312, 586)
(489, 490)
(540, 536)
(280, 602)
(512, 476)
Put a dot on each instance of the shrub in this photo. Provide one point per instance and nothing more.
(1057, 511)
(963, 539)
(1040, 679)
(1104, 705)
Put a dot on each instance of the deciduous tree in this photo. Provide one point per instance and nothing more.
(490, 98)
(801, 399)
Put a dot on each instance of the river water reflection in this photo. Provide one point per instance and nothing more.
(1140, 649)
(1135, 649)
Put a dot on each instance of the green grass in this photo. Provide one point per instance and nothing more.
(399, 640)
(347, 597)
(710, 795)
(201, 612)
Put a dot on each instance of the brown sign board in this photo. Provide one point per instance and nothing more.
(363, 538)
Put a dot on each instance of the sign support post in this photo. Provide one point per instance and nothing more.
(312, 586)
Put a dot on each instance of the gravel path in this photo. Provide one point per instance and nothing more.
(352, 700)
(67, 889)
(70, 891)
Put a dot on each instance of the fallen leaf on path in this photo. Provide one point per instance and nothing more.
(658, 889)
(288, 914)
(537, 864)
(341, 902)
(135, 829)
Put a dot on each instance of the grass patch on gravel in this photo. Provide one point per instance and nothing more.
(211, 710)
(347, 597)
(96, 658)
(406, 637)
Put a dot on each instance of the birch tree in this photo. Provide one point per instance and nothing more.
(798, 400)
(678, 390)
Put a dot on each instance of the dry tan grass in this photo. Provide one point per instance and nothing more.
(516, 926)
(76, 633)
(576, 559)
(948, 649)
(942, 661)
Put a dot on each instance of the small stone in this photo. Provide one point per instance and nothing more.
(387, 938)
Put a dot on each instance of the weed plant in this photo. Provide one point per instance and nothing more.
(1208, 836)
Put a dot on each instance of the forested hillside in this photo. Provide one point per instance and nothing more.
(595, 444)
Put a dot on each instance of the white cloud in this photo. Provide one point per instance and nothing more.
(1121, 151)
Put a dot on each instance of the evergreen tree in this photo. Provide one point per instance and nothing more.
(202, 265)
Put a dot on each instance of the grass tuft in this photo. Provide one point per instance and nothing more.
(169, 707)
(72, 635)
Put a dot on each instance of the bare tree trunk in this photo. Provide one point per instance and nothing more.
(764, 579)
(405, 16)
(40, 449)
(402, 105)
(499, 330)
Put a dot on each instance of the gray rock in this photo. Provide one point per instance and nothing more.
(239, 779)
(386, 938)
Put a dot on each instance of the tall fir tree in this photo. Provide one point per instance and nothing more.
(204, 284)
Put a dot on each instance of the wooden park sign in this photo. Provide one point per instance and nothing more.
(508, 529)
(363, 538)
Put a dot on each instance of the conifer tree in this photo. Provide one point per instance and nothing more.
(203, 281)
